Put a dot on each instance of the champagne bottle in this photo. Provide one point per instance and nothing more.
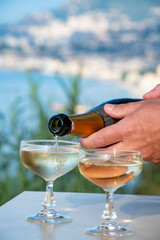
(86, 123)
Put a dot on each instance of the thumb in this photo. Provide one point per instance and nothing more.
(154, 93)
(121, 110)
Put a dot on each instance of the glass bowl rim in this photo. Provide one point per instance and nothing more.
(113, 152)
(37, 142)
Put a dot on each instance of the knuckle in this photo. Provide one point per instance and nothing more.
(131, 131)
(120, 108)
(128, 131)
(100, 140)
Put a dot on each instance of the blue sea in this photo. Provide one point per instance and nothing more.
(14, 84)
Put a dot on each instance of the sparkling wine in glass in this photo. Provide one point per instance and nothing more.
(110, 169)
(49, 160)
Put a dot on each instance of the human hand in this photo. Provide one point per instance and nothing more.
(154, 93)
(138, 129)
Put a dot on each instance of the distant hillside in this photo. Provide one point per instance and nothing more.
(85, 33)
(109, 38)
(137, 9)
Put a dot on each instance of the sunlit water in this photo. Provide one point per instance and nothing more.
(15, 84)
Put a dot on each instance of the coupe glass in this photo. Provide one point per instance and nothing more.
(110, 169)
(49, 160)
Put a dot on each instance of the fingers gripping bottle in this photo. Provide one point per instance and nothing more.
(86, 123)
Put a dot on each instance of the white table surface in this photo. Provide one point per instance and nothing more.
(137, 212)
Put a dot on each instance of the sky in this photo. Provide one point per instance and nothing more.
(13, 10)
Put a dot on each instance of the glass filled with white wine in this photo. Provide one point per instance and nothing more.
(110, 169)
(49, 159)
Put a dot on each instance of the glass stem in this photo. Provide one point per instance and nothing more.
(49, 200)
(109, 214)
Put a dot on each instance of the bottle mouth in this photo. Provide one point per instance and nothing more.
(60, 124)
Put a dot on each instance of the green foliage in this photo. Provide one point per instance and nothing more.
(72, 91)
(28, 119)
(150, 180)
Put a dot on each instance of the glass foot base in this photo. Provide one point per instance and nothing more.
(48, 217)
(103, 231)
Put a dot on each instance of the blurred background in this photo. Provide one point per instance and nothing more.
(68, 56)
